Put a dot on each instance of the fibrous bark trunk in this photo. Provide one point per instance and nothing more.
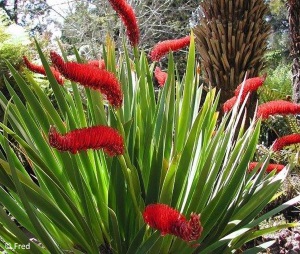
(232, 38)
(294, 26)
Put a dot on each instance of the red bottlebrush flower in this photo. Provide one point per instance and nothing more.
(162, 48)
(161, 76)
(127, 15)
(279, 107)
(251, 84)
(97, 137)
(228, 105)
(89, 76)
(97, 63)
(269, 169)
(41, 70)
(169, 221)
(281, 142)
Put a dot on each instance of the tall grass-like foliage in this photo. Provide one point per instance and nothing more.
(176, 153)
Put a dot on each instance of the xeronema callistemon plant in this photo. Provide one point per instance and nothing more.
(113, 167)
(41, 70)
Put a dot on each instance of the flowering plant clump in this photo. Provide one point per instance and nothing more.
(281, 142)
(269, 169)
(117, 174)
(88, 138)
(170, 221)
(228, 105)
(162, 48)
(97, 63)
(279, 107)
(41, 70)
(241, 92)
(250, 85)
(88, 76)
(160, 76)
(126, 13)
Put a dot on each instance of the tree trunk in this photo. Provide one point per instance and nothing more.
(16, 11)
(294, 23)
(296, 79)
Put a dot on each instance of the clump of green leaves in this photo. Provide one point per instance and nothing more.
(277, 85)
(177, 153)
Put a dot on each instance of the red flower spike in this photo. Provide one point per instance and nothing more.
(169, 221)
(97, 63)
(281, 142)
(163, 48)
(41, 70)
(97, 137)
(228, 105)
(251, 85)
(269, 169)
(279, 107)
(89, 76)
(127, 15)
(160, 76)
